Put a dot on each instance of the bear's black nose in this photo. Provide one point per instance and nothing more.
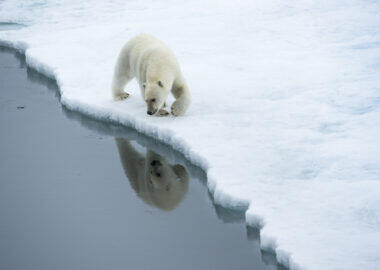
(148, 112)
(155, 162)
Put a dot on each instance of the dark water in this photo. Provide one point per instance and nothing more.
(76, 193)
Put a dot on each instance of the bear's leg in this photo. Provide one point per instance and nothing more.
(132, 161)
(162, 112)
(182, 95)
(118, 85)
(121, 95)
(120, 78)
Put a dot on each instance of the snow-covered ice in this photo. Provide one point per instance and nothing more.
(285, 117)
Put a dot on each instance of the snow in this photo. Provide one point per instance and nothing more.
(285, 114)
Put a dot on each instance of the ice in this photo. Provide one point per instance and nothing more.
(285, 114)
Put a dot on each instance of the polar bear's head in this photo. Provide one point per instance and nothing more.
(155, 96)
(167, 183)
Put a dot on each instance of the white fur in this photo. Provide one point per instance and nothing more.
(157, 70)
(160, 183)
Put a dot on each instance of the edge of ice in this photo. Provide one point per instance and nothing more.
(167, 137)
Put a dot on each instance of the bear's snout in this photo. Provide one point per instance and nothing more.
(155, 162)
(149, 112)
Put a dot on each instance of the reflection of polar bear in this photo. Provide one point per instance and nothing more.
(155, 181)
(157, 71)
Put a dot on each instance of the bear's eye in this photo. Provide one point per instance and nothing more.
(153, 99)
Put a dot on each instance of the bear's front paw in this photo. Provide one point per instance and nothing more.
(176, 109)
(162, 112)
(121, 96)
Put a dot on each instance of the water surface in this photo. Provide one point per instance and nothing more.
(76, 193)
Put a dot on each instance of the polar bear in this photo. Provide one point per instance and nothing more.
(158, 72)
(157, 182)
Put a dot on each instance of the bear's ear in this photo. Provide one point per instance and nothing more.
(144, 85)
(160, 84)
(180, 171)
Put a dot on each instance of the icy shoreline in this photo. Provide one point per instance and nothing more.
(297, 140)
(165, 137)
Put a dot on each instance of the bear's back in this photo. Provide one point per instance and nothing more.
(145, 48)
